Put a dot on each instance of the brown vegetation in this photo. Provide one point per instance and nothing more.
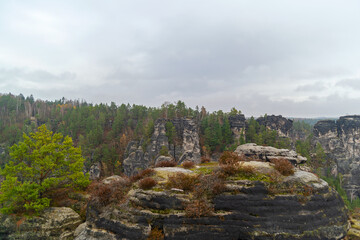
(209, 186)
(229, 158)
(166, 164)
(156, 234)
(198, 208)
(188, 164)
(147, 183)
(205, 159)
(145, 173)
(182, 181)
(283, 166)
(105, 194)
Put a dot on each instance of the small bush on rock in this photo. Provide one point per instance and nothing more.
(229, 158)
(166, 164)
(209, 186)
(145, 173)
(147, 183)
(198, 208)
(156, 234)
(188, 164)
(182, 181)
(205, 159)
(105, 194)
(283, 166)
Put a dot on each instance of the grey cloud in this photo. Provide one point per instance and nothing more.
(313, 87)
(351, 83)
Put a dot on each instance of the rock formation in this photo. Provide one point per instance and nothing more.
(52, 224)
(282, 125)
(267, 153)
(186, 146)
(95, 171)
(341, 141)
(237, 125)
(307, 209)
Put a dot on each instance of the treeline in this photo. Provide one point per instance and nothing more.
(104, 130)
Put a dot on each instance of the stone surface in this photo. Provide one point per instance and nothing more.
(341, 142)
(266, 153)
(115, 179)
(163, 159)
(53, 223)
(261, 167)
(186, 146)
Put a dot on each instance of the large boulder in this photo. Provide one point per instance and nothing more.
(266, 153)
(53, 224)
(301, 207)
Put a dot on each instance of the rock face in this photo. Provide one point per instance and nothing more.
(136, 160)
(237, 125)
(246, 210)
(53, 224)
(95, 171)
(186, 146)
(282, 125)
(267, 153)
(341, 141)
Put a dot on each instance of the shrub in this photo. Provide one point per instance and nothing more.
(188, 164)
(198, 208)
(166, 164)
(283, 166)
(229, 170)
(147, 183)
(105, 194)
(156, 234)
(182, 181)
(229, 158)
(246, 171)
(209, 186)
(145, 173)
(205, 159)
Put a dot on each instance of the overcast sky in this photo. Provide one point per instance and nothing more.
(297, 58)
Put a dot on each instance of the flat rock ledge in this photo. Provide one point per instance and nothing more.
(266, 153)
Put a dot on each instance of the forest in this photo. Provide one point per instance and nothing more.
(104, 130)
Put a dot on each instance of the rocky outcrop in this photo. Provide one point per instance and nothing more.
(136, 160)
(341, 141)
(52, 224)
(95, 171)
(267, 153)
(282, 125)
(307, 209)
(237, 125)
(186, 146)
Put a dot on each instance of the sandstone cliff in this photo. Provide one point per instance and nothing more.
(238, 125)
(341, 141)
(282, 125)
(186, 146)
